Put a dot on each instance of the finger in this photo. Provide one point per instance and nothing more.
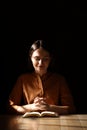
(36, 99)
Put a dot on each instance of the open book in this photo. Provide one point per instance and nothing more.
(41, 114)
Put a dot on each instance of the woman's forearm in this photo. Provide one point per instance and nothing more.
(60, 109)
(19, 109)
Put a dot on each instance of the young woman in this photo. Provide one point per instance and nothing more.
(41, 90)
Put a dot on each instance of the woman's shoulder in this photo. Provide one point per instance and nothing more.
(57, 75)
(26, 75)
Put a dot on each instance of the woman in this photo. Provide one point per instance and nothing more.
(41, 90)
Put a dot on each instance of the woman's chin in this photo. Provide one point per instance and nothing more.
(41, 72)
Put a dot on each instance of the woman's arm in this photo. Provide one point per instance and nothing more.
(62, 109)
(37, 105)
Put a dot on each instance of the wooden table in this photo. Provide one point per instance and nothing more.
(67, 122)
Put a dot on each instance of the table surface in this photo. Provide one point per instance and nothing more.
(63, 122)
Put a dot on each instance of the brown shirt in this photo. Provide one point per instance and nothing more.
(51, 86)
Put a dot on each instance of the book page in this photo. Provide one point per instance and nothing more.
(32, 114)
(49, 113)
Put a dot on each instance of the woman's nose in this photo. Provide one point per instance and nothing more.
(41, 62)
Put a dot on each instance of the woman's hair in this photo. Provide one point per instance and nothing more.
(40, 44)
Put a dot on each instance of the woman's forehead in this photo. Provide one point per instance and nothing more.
(40, 52)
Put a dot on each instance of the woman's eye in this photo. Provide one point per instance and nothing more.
(43, 59)
(37, 59)
(46, 59)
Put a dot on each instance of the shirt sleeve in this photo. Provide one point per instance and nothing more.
(66, 96)
(16, 93)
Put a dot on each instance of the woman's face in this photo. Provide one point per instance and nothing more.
(40, 59)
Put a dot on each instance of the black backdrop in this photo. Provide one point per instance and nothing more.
(64, 28)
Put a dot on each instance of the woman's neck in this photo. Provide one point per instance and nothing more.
(41, 74)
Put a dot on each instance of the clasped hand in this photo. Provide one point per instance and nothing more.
(39, 104)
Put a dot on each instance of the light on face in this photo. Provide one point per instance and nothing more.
(44, 59)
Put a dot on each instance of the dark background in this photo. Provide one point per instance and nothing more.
(64, 28)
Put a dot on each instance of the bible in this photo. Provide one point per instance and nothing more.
(41, 114)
